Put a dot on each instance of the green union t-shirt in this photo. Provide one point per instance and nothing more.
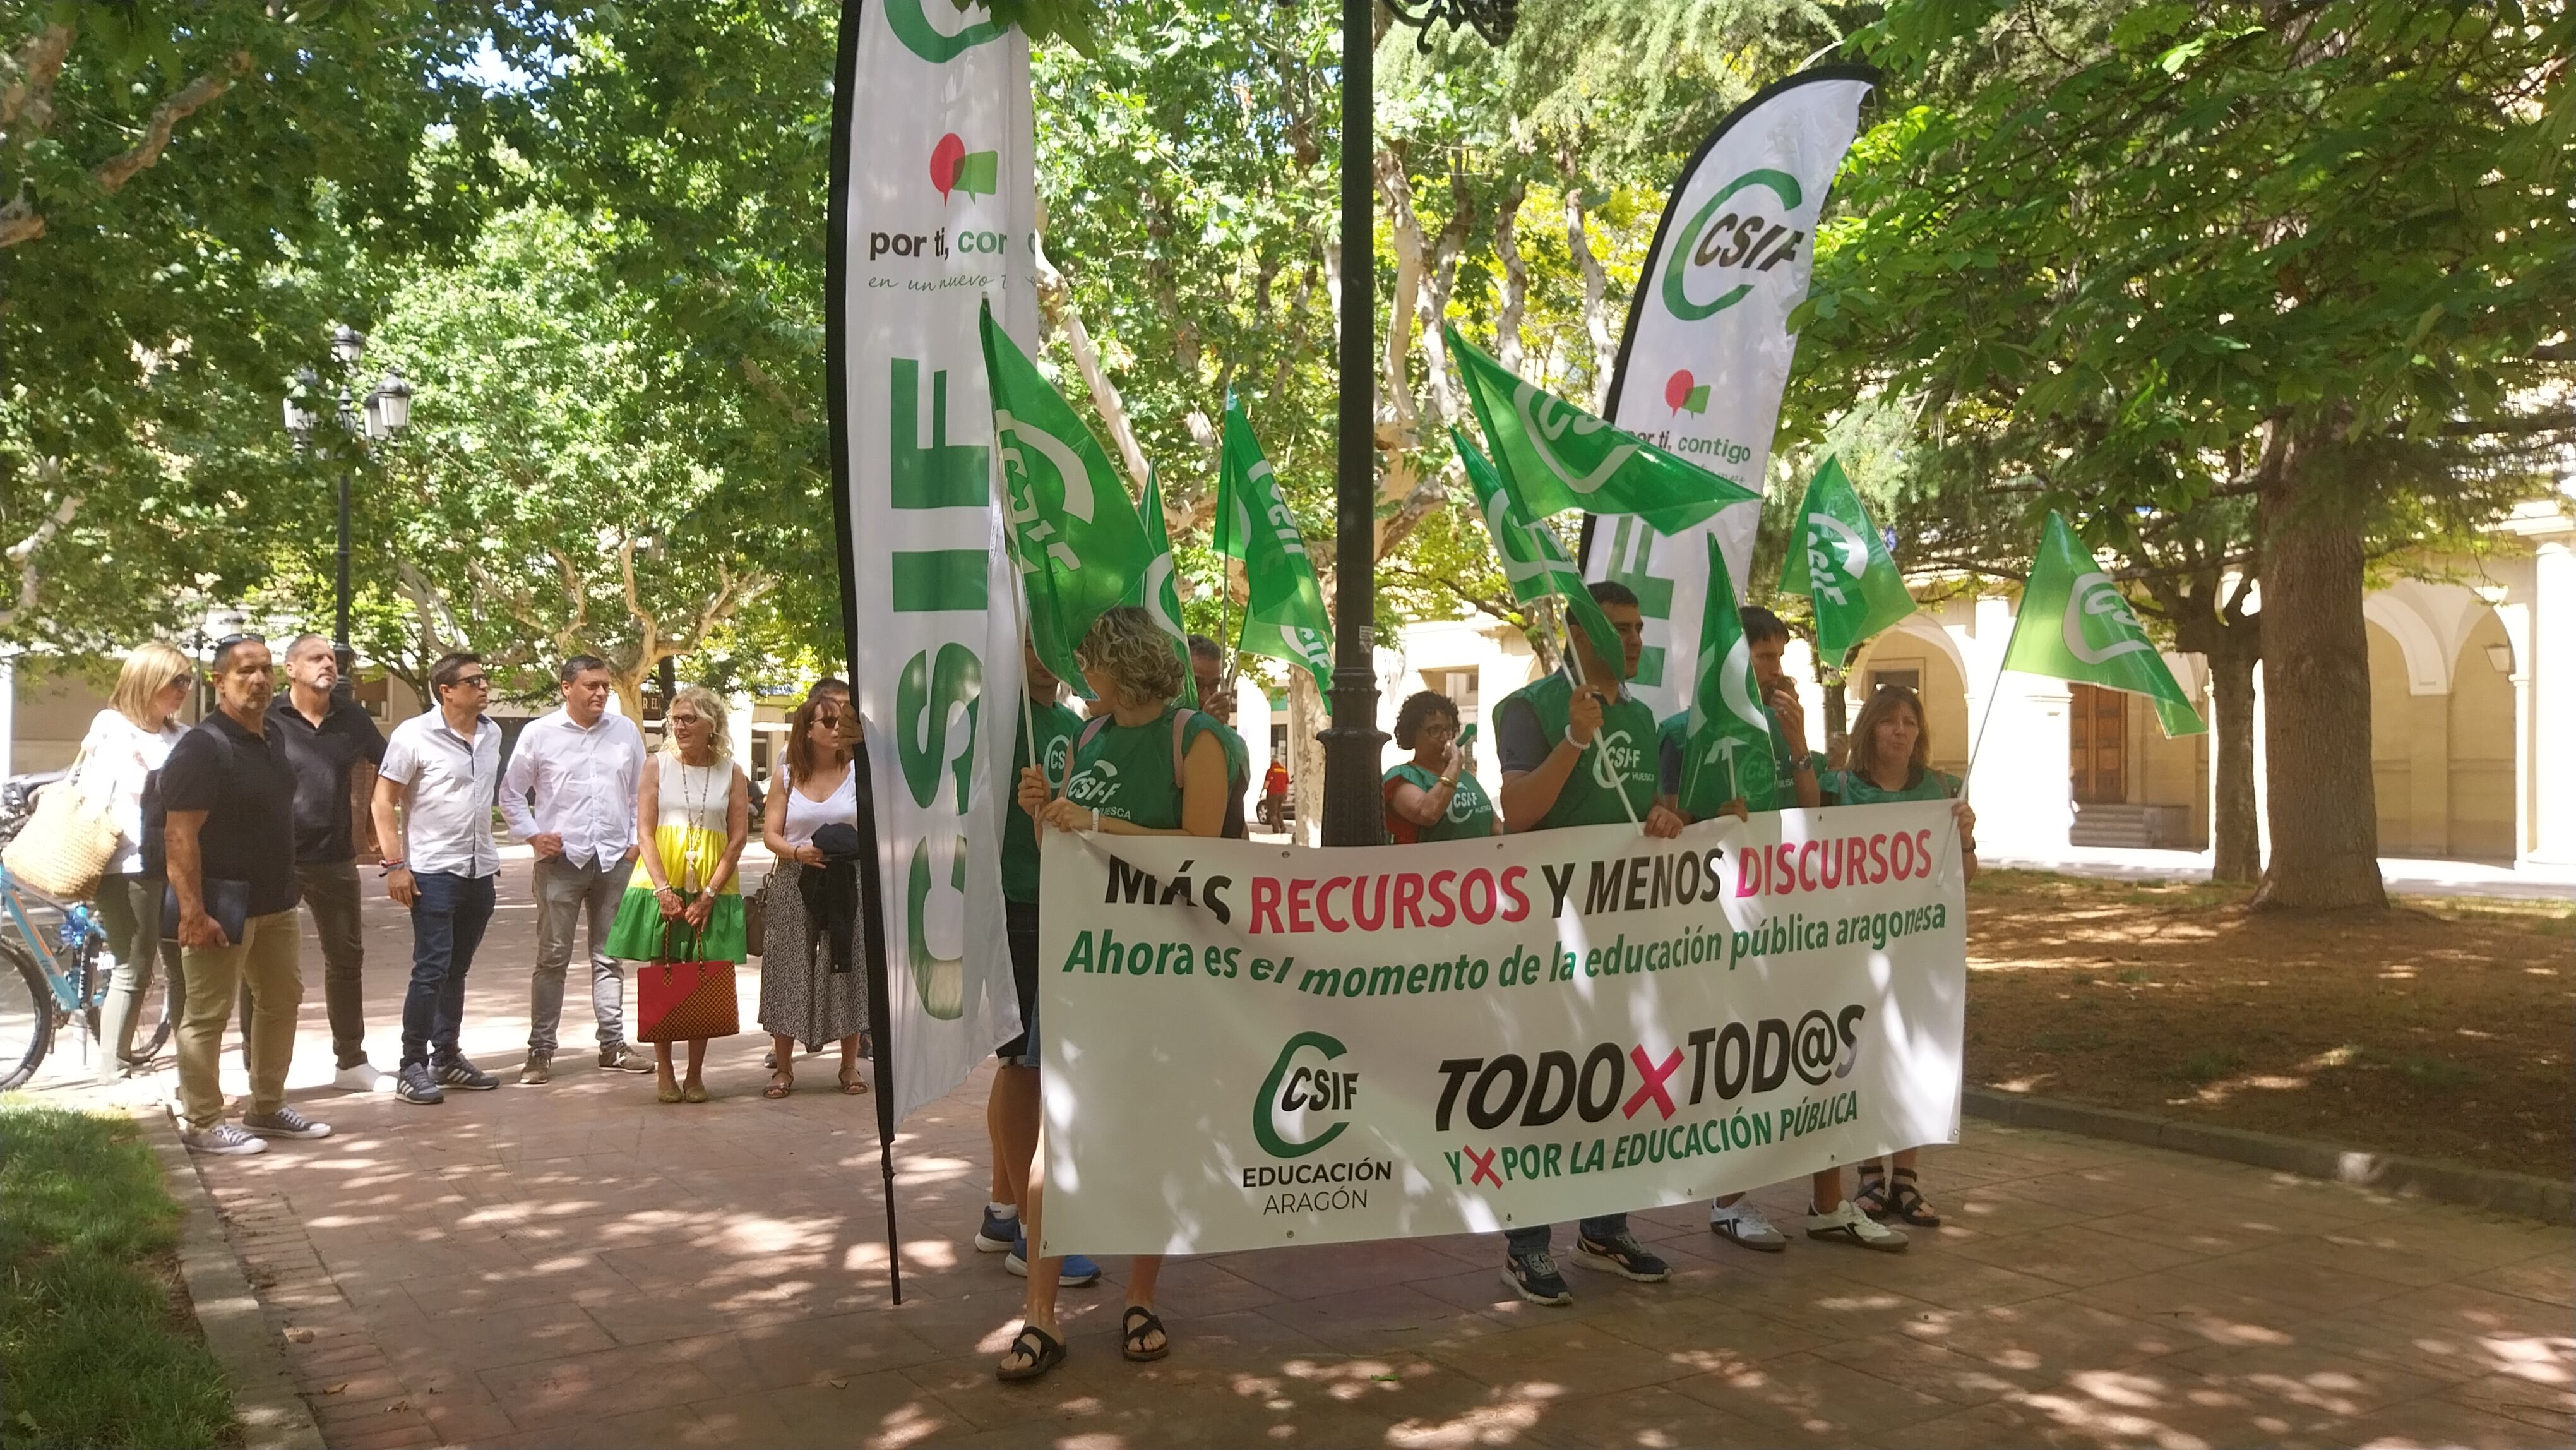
(1622, 761)
(1126, 771)
(1470, 815)
(1852, 788)
(1056, 727)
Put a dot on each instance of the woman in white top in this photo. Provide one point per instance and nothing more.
(807, 994)
(126, 743)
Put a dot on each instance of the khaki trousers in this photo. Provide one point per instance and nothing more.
(267, 964)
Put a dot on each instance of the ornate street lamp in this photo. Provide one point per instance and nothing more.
(1353, 811)
(387, 411)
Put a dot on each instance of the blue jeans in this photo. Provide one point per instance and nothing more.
(447, 921)
(1534, 1239)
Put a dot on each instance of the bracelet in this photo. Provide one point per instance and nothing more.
(1095, 820)
(387, 868)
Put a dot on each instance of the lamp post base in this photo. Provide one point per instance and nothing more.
(1353, 811)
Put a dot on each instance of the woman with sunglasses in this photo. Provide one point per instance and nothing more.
(693, 817)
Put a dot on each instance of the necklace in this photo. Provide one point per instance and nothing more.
(693, 802)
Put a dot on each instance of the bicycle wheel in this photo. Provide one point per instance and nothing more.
(163, 998)
(26, 1015)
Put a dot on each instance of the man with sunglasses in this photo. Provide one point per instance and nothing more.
(433, 811)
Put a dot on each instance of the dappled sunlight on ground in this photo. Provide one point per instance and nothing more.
(578, 1265)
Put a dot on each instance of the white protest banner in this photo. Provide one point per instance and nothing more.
(1250, 1045)
(1707, 347)
(934, 211)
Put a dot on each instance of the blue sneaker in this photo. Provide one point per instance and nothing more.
(996, 1234)
(1077, 1270)
(1533, 1276)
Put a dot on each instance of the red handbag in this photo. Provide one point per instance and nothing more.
(679, 998)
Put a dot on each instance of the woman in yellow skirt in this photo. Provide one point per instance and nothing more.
(693, 816)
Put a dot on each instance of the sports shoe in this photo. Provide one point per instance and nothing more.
(456, 1072)
(1847, 1224)
(622, 1057)
(1076, 1272)
(539, 1070)
(1621, 1254)
(1533, 1276)
(415, 1085)
(1744, 1225)
(284, 1123)
(998, 1233)
(223, 1139)
(363, 1077)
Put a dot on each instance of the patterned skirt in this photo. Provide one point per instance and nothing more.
(800, 995)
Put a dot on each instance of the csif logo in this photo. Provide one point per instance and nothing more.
(1096, 785)
(1740, 239)
(2094, 596)
(912, 27)
(1295, 1088)
(1615, 758)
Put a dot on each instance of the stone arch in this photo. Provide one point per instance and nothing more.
(2427, 656)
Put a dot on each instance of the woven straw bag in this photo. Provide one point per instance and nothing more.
(66, 844)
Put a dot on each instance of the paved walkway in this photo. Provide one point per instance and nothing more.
(578, 1265)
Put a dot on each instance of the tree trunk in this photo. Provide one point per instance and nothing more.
(2316, 730)
(2235, 836)
(1306, 719)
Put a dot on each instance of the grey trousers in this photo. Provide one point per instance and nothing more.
(566, 894)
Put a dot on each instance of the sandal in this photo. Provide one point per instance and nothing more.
(1135, 1325)
(1905, 1201)
(851, 1083)
(695, 1092)
(1044, 1352)
(666, 1092)
(780, 1085)
(1870, 1195)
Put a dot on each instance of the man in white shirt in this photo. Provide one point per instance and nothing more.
(582, 766)
(440, 772)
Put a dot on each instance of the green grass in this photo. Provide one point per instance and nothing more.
(2415, 1067)
(96, 1353)
(2212, 1064)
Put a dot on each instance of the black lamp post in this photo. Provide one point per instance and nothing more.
(387, 412)
(1353, 813)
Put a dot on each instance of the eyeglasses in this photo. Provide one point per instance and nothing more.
(472, 682)
(228, 641)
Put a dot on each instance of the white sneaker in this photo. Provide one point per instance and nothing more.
(223, 1139)
(1745, 1225)
(1848, 1224)
(366, 1077)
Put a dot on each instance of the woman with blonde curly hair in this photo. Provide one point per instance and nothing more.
(693, 817)
(126, 743)
(1149, 767)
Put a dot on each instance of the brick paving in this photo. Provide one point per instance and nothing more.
(578, 1265)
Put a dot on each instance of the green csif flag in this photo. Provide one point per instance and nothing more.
(1842, 564)
(1159, 591)
(1533, 564)
(2074, 625)
(1080, 548)
(1728, 750)
(1558, 457)
(1283, 611)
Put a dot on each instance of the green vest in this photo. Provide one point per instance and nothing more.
(1624, 757)
(1128, 771)
(1852, 788)
(1056, 728)
(1470, 816)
